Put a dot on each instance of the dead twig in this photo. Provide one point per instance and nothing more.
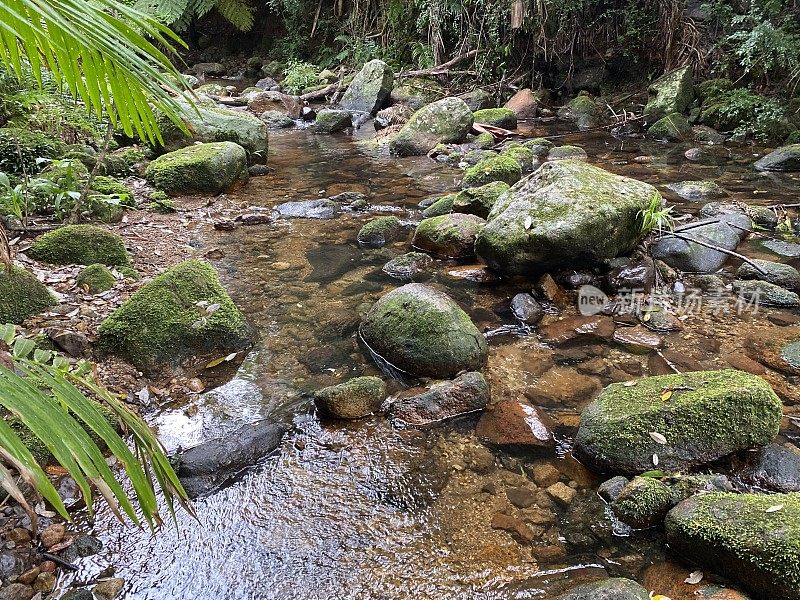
(711, 246)
(442, 69)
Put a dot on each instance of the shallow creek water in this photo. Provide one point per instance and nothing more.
(359, 510)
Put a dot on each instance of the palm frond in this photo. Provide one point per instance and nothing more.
(44, 394)
(102, 52)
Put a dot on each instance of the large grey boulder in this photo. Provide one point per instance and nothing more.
(422, 332)
(723, 231)
(370, 88)
(566, 213)
(445, 121)
(211, 123)
(753, 539)
(671, 93)
(786, 158)
(676, 422)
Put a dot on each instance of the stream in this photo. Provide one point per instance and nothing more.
(359, 510)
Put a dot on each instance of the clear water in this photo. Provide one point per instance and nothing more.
(359, 510)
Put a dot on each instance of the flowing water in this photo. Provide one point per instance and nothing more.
(359, 510)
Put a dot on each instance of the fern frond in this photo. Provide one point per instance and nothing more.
(240, 13)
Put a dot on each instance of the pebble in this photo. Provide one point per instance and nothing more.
(545, 474)
(521, 497)
(52, 535)
(561, 493)
(16, 591)
(108, 589)
(519, 530)
(45, 582)
(28, 577)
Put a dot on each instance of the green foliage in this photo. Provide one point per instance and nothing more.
(746, 115)
(178, 14)
(64, 408)
(21, 150)
(299, 75)
(103, 52)
(656, 217)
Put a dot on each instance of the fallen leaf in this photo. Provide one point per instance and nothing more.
(210, 310)
(694, 578)
(666, 395)
(655, 460)
(630, 383)
(528, 222)
(658, 438)
(646, 317)
(775, 508)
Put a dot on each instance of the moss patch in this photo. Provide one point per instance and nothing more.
(202, 168)
(170, 319)
(499, 117)
(352, 399)
(442, 206)
(480, 200)
(703, 416)
(19, 149)
(96, 278)
(21, 295)
(643, 503)
(674, 128)
(378, 232)
(496, 168)
(81, 245)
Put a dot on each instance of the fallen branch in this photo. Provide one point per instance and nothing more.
(442, 69)
(494, 131)
(332, 88)
(711, 246)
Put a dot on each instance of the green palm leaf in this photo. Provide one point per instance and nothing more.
(101, 51)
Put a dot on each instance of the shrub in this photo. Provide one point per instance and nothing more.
(298, 76)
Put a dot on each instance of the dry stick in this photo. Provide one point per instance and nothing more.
(719, 249)
(75, 217)
(439, 69)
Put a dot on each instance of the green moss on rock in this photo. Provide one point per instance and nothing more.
(202, 168)
(331, 121)
(352, 399)
(442, 206)
(448, 236)
(81, 245)
(524, 156)
(567, 152)
(183, 312)
(753, 539)
(713, 88)
(674, 128)
(445, 121)
(479, 200)
(424, 333)
(496, 168)
(705, 416)
(111, 186)
(378, 232)
(499, 117)
(643, 503)
(96, 278)
(671, 93)
(21, 295)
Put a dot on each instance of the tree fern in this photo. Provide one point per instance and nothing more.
(238, 12)
(179, 13)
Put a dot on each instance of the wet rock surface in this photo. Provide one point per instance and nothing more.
(515, 423)
(467, 393)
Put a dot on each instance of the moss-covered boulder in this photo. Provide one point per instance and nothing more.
(448, 236)
(202, 168)
(80, 245)
(495, 168)
(566, 213)
(446, 121)
(442, 206)
(276, 119)
(786, 158)
(479, 200)
(755, 293)
(673, 128)
(713, 88)
(583, 110)
(182, 313)
(111, 186)
(753, 539)
(539, 146)
(96, 278)
(21, 295)
(614, 588)
(643, 503)
(499, 117)
(352, 399)
(422, 332)
(524, 157)
(379, 232)
(671, 93)
(330, 120)
(370, 88)
(211, 123)
(416, 92)
(676, 422)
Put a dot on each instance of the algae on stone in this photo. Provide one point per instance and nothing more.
(352, 399)
(96, 278)
(202, 168)
(21, 295)
(499, 117)
(496, 168)
(445, 121)
(380, 231)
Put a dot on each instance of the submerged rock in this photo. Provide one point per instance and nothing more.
(467, 393)
(184, 312)
(750, 538)
(22, 295)
(370, 88)
(779, 350)
(407, 266)
(446, 121)
(700, 417)
(80, 245)
(202, 168)
(352, 399)
(697, 190)
(214, 463)
(609, 589)
(567, 152)
(448, 236)
(566, 213)
(516, 423)
(423, 332)
(781, 274)
(671, 93)
(786, 158)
